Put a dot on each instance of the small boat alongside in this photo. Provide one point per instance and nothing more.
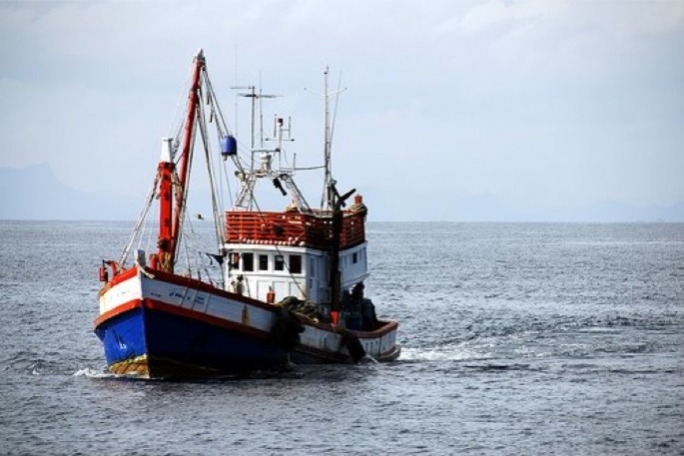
(287, 286)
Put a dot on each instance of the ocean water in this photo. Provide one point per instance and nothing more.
(518, 339)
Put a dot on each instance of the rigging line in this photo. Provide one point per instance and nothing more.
(141, 220)
(143, 231)
(187, 240)
(149, 232)
(212, 181)
(193, 244)
(215, 105)
(221, 122)
(219, 187)
(186, 190)
(184, 91)
(141, 235)
(227, 179)
(220, 126)
(337, 102)
(243, 150)
(224, 177)
(203, 265)
(235, 84)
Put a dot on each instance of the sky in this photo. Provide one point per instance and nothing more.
(532, 104)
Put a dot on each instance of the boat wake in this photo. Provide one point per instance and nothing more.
(94, 373)
(368, 357)
(293, 372)
(443, 353)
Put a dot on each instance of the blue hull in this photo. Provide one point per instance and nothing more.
(154, 343)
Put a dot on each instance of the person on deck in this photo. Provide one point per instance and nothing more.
(238, 285)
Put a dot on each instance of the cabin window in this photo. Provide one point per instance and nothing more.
(295, 264)
(248, 262)
(312, 267)
(279, 264)
(263, 262)
(355, 257)
(234, 260)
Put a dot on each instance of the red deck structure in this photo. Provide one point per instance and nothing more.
(294, 228)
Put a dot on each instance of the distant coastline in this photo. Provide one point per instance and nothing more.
(34, 193)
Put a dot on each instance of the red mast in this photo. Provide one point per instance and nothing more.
(166, 170)
(170, 220)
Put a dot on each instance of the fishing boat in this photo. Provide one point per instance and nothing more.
(283, 287)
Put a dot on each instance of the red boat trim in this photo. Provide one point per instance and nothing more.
(186, 313)
(185, 282)
(206, 287)
(387, 327)
(123, 276)
(118, 310)
(152, 304)
(336, 356)
(210, 319)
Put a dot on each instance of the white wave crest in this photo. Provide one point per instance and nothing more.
(93, 373)
(446, 353)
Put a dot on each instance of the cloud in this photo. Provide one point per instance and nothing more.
(536, 100)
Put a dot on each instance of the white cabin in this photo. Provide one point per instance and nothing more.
(291, 270)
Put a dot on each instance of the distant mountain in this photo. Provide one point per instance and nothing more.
(433, 206)
(34, 193)
(621, 212)
(491, 209)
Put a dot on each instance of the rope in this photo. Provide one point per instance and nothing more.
(334, 119)
(187, 240)
(186, 190)
(218, 226)
(149, 232)
(141, 220)
(183, 92)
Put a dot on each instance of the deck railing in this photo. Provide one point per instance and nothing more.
(293, 228)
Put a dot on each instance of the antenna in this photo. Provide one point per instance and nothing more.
(236, 81)
(254, 96)
(328, 199)
(279, 130)
(327, 145)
